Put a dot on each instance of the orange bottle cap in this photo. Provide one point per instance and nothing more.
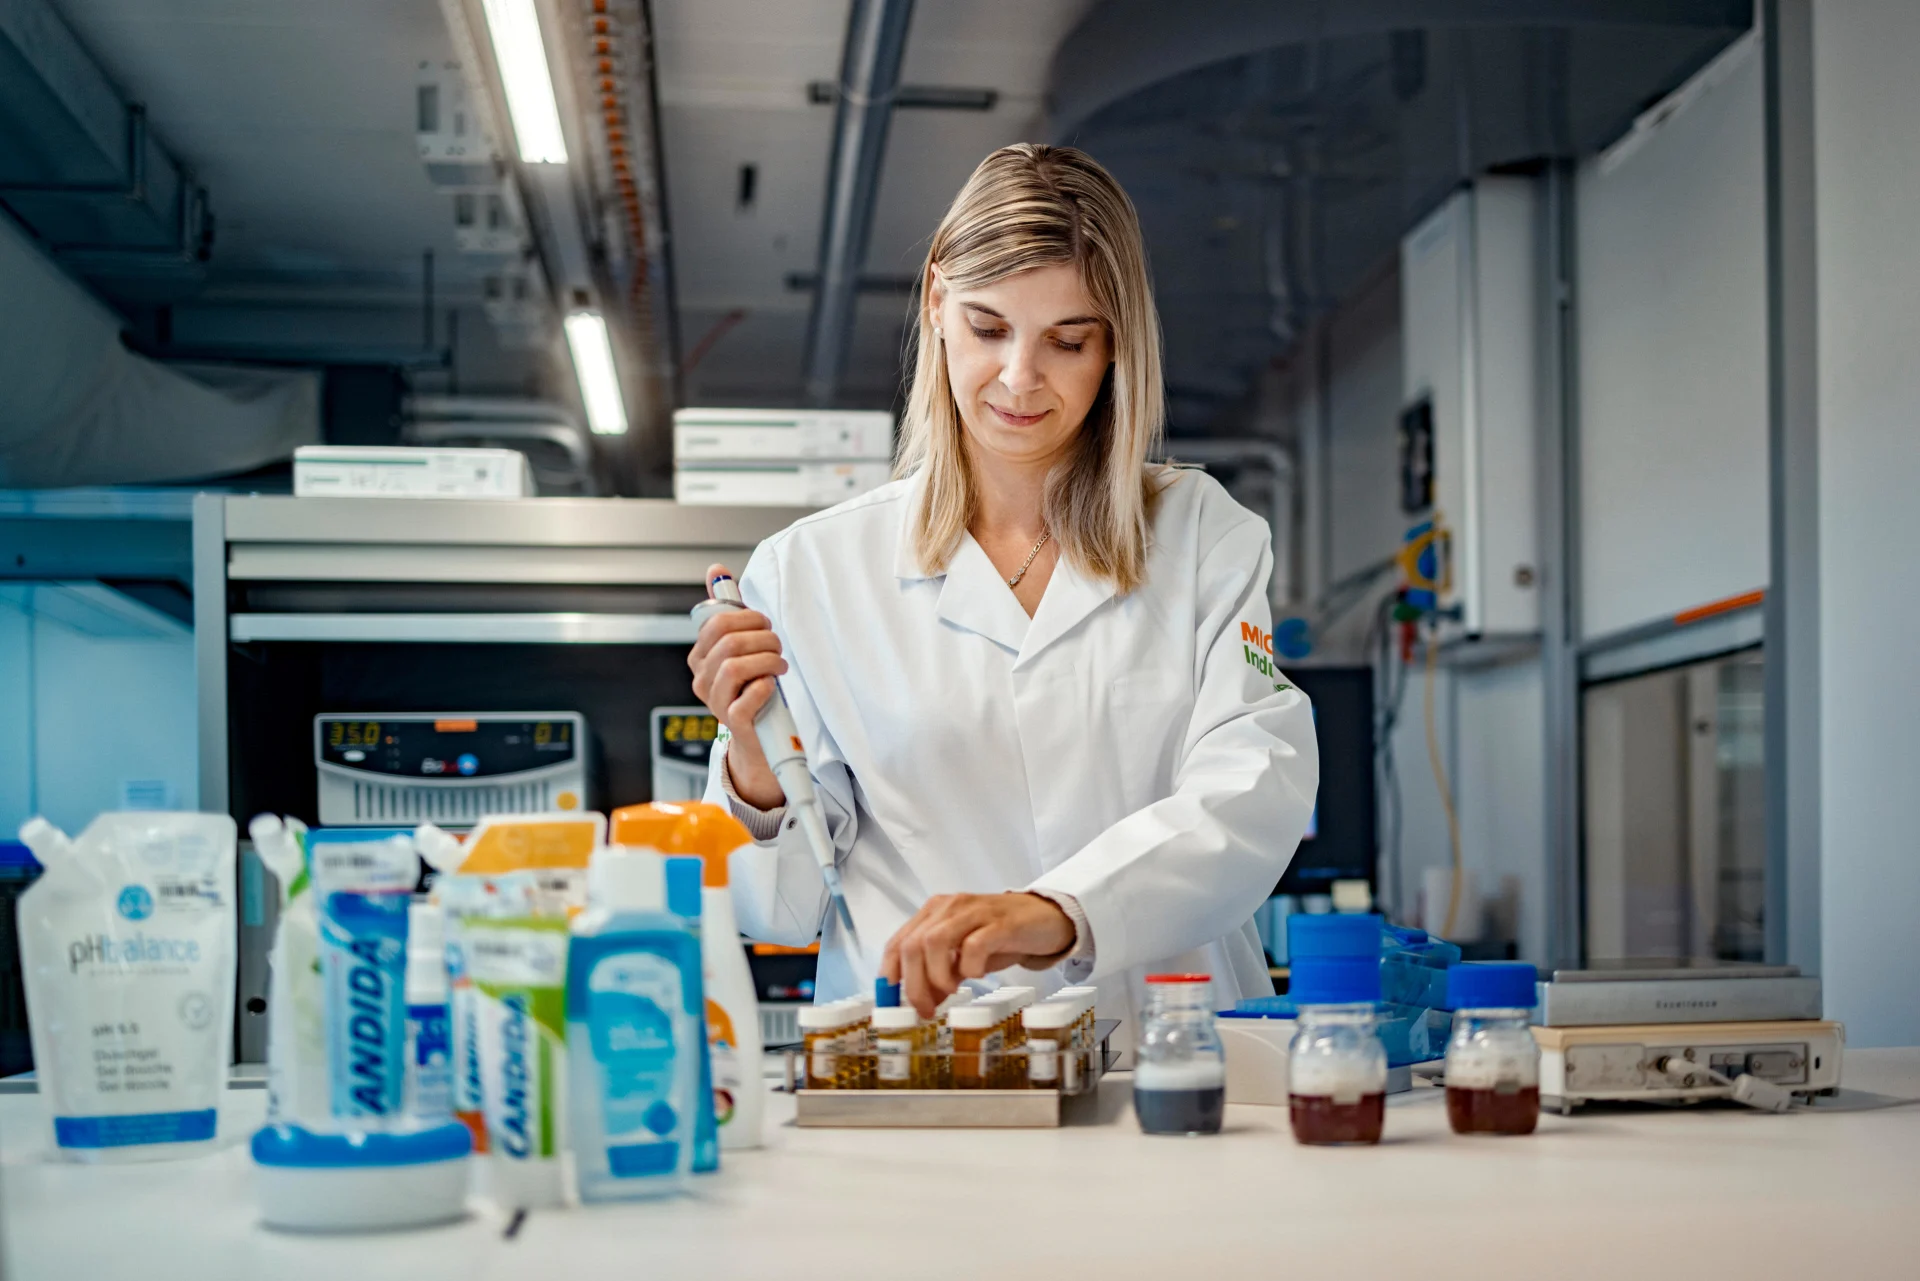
(695, 828)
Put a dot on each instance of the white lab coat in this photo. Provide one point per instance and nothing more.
(1140, 753)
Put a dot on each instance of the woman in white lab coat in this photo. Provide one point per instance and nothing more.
(1033, 675)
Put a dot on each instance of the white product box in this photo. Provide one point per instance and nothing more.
(794, 485)
(781, 435)
(388, 471)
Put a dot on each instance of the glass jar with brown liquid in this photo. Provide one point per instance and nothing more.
(1493, 1062)
(1336, 1064)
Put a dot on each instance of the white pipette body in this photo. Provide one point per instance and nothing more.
(780, 741)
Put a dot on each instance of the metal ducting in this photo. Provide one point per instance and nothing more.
(78, 408)
(79, 166)
(559, 449)
(869, 78)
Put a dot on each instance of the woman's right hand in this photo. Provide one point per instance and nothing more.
(734, 660)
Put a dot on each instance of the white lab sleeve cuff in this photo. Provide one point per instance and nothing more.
(761, 825)
(1078, 962)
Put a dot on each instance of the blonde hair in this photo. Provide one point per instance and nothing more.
(1030, 206)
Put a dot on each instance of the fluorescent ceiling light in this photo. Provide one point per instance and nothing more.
(528, 80)
(593, 366)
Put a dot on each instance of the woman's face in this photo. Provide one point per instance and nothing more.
(1026, 356)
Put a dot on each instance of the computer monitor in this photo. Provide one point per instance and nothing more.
(1341, 841)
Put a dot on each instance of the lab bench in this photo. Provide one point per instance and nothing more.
(1606, 1193)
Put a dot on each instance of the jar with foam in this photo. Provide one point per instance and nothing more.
(1180, 1069)
(1336, 1063)
(1493, 1062)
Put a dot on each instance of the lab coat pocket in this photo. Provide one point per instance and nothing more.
(1150, 712)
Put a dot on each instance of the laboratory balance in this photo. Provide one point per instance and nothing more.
(1682, 1032)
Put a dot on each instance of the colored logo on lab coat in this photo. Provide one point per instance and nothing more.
(1257, 647)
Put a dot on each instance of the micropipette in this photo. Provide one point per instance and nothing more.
(780, 740)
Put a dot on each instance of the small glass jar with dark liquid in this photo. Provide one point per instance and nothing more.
(1493, 1062)
(1337, 1076)
(1180, 1069)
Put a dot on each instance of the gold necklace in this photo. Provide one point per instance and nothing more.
(1028, 562)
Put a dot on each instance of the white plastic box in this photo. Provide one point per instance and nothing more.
(390, 471)
(781, 435)
(791, 485)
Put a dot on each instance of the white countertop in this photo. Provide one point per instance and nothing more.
(1705, 1192)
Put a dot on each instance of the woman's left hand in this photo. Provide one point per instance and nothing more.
(969, 936)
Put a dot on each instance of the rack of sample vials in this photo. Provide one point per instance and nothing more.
(994, 1060)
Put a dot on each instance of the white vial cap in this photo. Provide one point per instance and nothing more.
(1019, 997)
(819, 1018)
(896, 1018)
(977, 1017)
(1048, 1017)
(954, 1002)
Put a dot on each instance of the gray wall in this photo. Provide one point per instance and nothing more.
(1671, 251)
(1867, 122)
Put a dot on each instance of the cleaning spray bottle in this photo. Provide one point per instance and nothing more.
(732, 1005)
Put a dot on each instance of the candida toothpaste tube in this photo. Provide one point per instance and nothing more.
(518, 969)
(364, 888)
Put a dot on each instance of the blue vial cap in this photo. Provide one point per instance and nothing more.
(1333, 935)
(1334, 980)
(886, 995)
(1491, 985)
(684, 875)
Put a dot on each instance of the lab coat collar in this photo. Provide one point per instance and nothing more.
(1070, 597)
(975, 597)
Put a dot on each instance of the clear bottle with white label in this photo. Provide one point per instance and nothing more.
(429, 1081)
(1180, 1069)
(1493, 1062)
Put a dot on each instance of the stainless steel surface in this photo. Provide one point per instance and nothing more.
(1655, 971)
(1558, 495)
(519, 563)
(1793, 615)
(1664, 643)
(927, 1109)
(1678, 1000)
(951, 1109)
(526, 629)
(523, 522)
(210, 646)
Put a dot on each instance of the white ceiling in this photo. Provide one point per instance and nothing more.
(733, 88)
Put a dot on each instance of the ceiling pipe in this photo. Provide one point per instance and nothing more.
(1282, 483)
(869, 80)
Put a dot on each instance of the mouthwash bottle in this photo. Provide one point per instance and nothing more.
(635, 1038)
